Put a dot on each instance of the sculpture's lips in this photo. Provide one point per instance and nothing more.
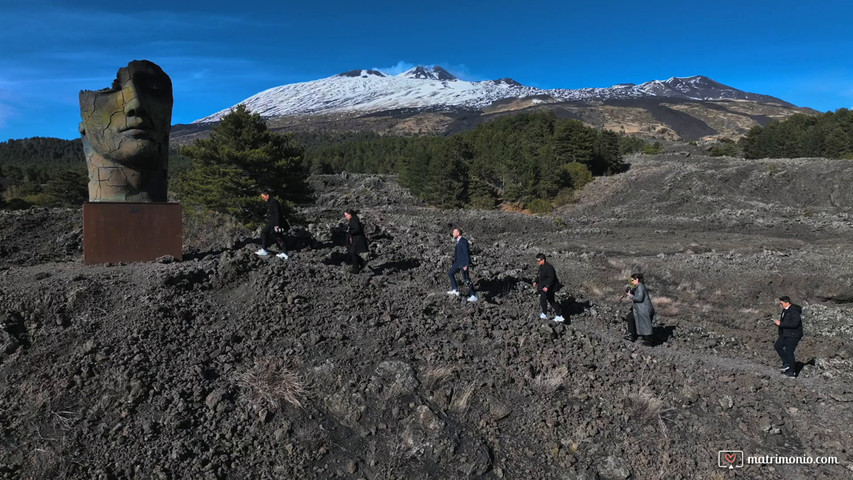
(138, 133)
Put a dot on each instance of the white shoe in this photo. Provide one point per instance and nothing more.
(472, 298)
(262, 252)
(543, 316)
(282, 255)
(453, 292)
(559, 319)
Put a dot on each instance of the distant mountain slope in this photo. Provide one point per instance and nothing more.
(430, 100)
(366, 91)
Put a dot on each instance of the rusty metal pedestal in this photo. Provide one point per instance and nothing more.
(131, 232)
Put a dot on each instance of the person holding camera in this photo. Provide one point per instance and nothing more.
(642, 315)
(547, 285)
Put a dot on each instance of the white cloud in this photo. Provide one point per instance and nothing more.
(401, 67)
(460, 71)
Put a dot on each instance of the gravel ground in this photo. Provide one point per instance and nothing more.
(229, 366)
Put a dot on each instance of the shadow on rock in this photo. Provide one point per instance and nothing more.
(499, 287)
(661, 334)
(396, 266)
(337, 259)
(572, 307)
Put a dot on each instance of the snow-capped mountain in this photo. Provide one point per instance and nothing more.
(366, 91)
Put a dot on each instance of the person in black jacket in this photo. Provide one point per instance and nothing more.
(547, 284)
(790, 332)
(356, 241)
(275, 221)
(461, 262)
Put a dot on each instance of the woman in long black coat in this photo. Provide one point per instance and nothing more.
(356, 241)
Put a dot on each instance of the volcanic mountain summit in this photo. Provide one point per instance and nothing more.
(679, 108)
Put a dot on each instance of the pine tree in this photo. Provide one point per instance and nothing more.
(240, 158)
(67, 188)
(448, 180)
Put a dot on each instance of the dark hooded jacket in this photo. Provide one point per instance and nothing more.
(791, 323)
(356, 241)
(274, 218)
(547, 278)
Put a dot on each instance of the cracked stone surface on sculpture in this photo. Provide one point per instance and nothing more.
(125, 133)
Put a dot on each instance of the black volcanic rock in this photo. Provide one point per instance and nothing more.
(507, 81)
(434, 73)
(442, 74)
(228, 365)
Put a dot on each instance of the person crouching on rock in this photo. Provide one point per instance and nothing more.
(641, 318)
(356, 241)
(461, 261)
(790, 325)
(274, 221)
(547, 284)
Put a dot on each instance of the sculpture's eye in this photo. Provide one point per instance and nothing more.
(151, 83)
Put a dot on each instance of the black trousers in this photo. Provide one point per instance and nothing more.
(466, 277)
(358, 263)
(785, 347)
(267, 236)
(632, 325)
(546, 298)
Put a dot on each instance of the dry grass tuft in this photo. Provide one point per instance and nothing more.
(647, 406)
(667, 306)
(460, 401)
(433, 377)
(270, 382)
(551, 381)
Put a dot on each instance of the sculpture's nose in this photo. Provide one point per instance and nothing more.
(132, 104)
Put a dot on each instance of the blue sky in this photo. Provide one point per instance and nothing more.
(221, 52)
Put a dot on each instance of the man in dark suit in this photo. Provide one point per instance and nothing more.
(790, 332)
(546, 284)
(461, 261)
(274, 221)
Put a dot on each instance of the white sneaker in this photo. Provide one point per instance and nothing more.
(262, 252)
(543, 316)
(453, 292)
(559, 319)
(282, 255)
(472, 298)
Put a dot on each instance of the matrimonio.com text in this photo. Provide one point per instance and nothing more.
(790, 460)
(736, 459)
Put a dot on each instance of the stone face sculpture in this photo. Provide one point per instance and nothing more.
(125, 132)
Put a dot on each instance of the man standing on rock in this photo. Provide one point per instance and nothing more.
(790, 332)
(547, 284)
(274, 222)
(461, 261)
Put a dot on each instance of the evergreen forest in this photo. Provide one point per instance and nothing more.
(828, 135)
(532, 161)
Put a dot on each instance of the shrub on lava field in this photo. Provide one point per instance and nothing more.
(271, 382)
